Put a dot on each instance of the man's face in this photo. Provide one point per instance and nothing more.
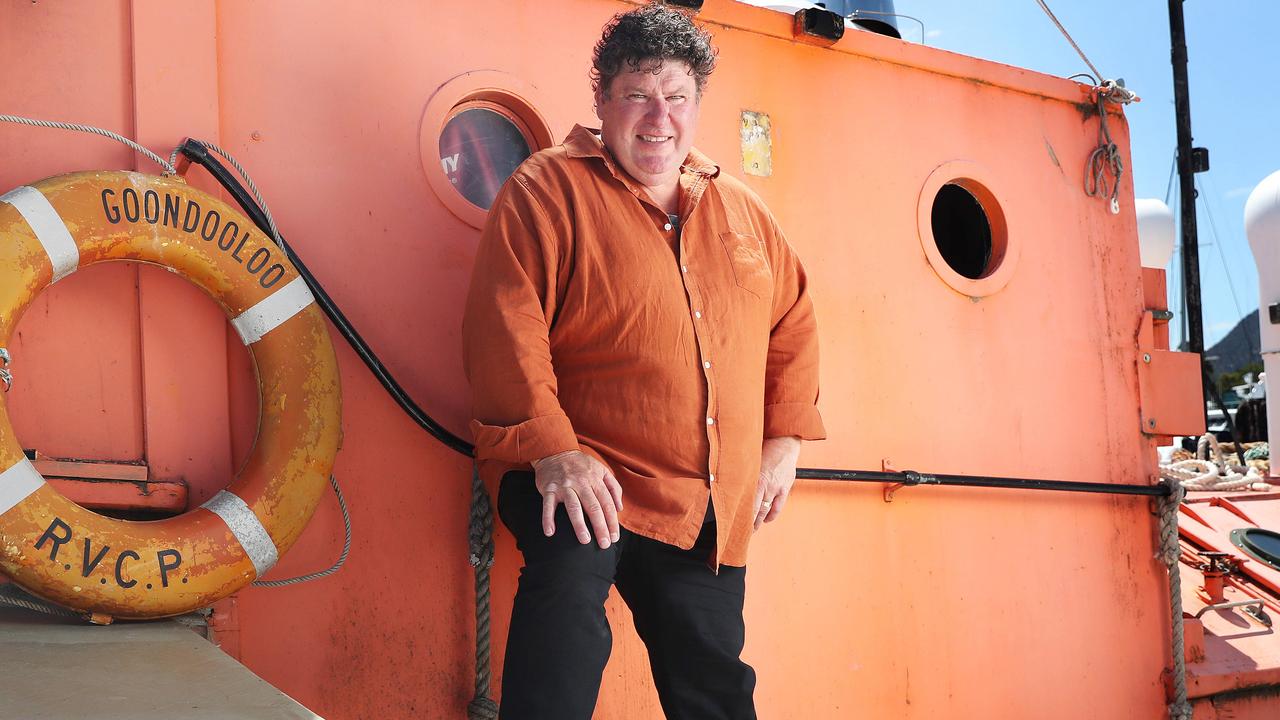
(648, 121)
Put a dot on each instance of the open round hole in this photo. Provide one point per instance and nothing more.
(963, 230)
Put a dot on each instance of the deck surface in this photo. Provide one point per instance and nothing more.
(54, 669)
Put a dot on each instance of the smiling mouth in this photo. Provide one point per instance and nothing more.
(654, 138)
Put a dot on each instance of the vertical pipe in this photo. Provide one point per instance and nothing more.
(1186, 185)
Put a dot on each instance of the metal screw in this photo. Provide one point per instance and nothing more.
(1151, 423)
(1146, 357)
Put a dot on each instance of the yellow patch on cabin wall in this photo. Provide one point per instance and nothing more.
(757, 144)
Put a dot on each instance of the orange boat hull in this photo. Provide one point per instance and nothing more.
(944, 603)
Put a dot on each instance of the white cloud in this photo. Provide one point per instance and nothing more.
(933, 34)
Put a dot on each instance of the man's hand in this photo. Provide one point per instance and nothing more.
(777, 474)
(582, 483)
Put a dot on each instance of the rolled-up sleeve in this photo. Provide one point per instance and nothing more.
(505, 326)
(791, 375)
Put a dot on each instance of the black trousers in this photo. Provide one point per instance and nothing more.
(689, 618)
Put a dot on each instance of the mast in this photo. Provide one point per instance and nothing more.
(1186, 180)
(1190, 161)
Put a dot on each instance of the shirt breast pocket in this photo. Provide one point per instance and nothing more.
(749, 262)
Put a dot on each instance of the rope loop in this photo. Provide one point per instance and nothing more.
(1211, 471)
(342, 558)
(1107, 155)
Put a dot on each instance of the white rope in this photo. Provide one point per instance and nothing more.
(168, 166)
(1210, 471)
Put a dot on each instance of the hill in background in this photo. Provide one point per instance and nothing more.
(1237, 349)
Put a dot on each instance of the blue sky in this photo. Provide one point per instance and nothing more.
(1234, 71)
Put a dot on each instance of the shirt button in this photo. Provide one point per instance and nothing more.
(684, 268)
(706, 364)
(712, 478)
(667, 226)
(697, 313)
(711, 421)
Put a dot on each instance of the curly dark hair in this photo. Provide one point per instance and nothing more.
(651, 33)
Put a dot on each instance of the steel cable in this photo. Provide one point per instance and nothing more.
(168, 166)
(342, 558)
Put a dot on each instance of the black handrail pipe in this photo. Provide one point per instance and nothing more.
(911, 478)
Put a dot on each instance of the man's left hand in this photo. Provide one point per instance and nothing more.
(778, 458)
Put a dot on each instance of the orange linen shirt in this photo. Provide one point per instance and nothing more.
(593, 324)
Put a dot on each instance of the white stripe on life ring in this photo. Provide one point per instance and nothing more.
(247, 529)
(272, 311)
(49, 228)
(17, 483)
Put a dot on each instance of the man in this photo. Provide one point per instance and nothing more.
(638, 333)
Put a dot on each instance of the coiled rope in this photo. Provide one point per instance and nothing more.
(1210, 471)
(1105, 156)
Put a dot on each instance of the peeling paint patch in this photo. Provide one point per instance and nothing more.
(757, 144)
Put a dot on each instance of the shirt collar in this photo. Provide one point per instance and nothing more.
(583, 142)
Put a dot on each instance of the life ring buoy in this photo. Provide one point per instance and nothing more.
(96, 564)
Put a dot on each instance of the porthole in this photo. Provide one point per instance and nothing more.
(1261, 545)
(476, 130)
(964, 231)
(961, 231)
(480, 146)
